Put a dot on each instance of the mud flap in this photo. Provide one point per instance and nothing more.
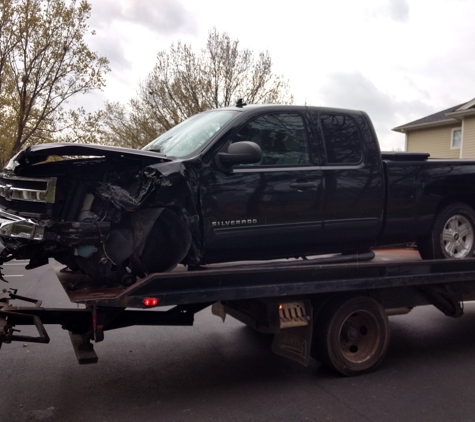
(294, 339)
(444, 299)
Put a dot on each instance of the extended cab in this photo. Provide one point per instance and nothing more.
(238, 183)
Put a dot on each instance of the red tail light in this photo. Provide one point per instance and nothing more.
(150, 301)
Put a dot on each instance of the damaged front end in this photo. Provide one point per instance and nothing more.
(115, 215)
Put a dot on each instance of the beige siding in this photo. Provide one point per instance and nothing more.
(435, 141)
(468, 142)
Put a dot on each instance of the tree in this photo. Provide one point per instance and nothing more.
(44, 61)
(183, 83)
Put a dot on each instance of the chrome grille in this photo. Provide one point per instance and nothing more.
(26, 196)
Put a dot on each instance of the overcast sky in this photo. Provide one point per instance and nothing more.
(398, 60)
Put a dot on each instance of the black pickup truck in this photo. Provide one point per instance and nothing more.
(238, 183)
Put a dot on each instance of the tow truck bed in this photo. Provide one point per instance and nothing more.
(299, 301)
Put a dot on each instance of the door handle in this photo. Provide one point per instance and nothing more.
(303, 185)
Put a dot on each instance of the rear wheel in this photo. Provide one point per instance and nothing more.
(351, 335)
(452, 235)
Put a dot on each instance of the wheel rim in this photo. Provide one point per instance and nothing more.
(359, 337)
(457, 237)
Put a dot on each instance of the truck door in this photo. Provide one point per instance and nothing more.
(268, 209)
(353, 181)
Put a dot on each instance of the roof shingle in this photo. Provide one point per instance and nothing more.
(433, 118)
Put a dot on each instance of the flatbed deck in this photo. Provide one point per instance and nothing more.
(236, 281)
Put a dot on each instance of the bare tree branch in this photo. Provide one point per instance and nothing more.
(184, 82)
(44, 61)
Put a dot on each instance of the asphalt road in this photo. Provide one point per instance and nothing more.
(226, 372)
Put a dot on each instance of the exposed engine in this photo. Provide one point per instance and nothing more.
(113, 219)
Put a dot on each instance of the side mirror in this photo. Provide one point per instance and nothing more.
(244, 152)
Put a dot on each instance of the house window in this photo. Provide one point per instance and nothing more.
(456, 138)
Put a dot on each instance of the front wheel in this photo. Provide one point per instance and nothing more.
(351, 335)
(452, 235)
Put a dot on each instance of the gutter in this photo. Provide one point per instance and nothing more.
(459, 115)
(404, 129)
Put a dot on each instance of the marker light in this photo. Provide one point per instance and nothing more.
(150, 301)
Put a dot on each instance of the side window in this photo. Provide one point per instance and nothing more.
(342, 139)
(281, 136)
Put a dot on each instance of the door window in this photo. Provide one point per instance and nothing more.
(342, 139)
(281, 136)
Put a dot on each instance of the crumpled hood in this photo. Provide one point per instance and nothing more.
(38, 153)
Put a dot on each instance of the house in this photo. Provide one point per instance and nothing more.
(447, 134)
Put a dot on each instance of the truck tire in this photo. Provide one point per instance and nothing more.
(351, 335)
(452, 235)
(165, 245)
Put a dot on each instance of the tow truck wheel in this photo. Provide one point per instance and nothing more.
(351, 335)
(452, 235)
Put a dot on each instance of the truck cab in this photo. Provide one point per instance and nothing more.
(318, 184)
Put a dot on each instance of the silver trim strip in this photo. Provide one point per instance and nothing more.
(317, 224)
(299, 168)
(9, 192)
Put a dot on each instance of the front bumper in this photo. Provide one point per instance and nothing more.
(16, 227)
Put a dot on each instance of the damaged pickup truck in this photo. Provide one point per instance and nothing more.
(238, 183)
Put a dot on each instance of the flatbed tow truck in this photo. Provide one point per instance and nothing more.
(332, 309)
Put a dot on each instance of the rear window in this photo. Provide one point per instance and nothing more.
(342, 139)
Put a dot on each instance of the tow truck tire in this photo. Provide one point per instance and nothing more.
(452, 235)
(351, 335)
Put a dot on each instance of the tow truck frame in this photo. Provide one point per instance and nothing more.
(331, 310)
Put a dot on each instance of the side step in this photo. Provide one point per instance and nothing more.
(83, 348)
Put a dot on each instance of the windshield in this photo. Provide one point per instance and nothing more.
(191, 134)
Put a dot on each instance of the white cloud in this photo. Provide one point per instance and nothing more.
(355, 91)
(130, 33)
(399, 10)
(163, 16)
(399, 60)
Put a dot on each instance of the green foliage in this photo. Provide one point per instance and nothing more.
(44, 61)
(183, 83)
